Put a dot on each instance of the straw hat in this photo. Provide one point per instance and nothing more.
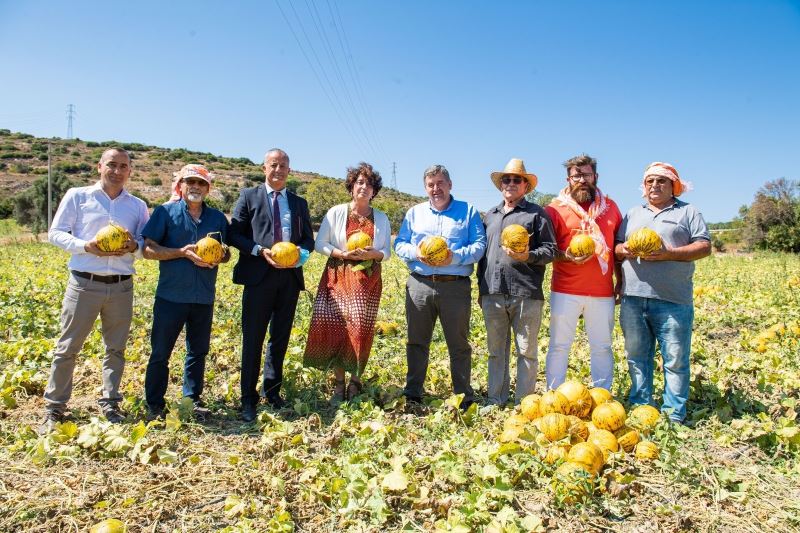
(517, 168)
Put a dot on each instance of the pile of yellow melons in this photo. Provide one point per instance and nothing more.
(583, 429)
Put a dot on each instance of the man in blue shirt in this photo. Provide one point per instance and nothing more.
(443, 290)
(186, 287)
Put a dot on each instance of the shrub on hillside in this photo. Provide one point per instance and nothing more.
(30, 207)
(772, 221)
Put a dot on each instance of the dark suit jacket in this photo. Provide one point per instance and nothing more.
(251, 224)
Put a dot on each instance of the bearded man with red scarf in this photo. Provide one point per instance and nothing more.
(583, 285)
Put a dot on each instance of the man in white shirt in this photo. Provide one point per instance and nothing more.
(100, 283)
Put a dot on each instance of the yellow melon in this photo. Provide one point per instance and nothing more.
(555, 453)
(646, 451)
(599, 395)
(609, 415)
(580, 401)
(606, 441)
(515, 237)
(581, 244)
(554, 426)
(111, 238)
(553, 402)
(627, 438)
(515, 420)
(587, 454)
(109, 525)
(530, 406)
(358, 240)
(643, 241)
(210, 249)
(573, 481)
(433, 249)
(578, 428)
(286, 254)
(644, 417)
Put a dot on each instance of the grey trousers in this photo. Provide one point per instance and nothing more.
(503, 315)
(449, 302)
(83, 301)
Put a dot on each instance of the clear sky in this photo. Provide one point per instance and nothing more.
(712, 87)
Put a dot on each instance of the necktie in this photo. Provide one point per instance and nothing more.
(277, 232)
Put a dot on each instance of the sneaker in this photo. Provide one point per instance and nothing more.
(200, 411)
(51, 418)
(113, 414)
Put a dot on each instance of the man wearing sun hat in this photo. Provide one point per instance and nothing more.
(657, 301)
(583, 285)
(510, 283)
(186, 286)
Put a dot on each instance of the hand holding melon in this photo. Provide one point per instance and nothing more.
(433, 251)
(282, 255)
(581, 248)
(112, 239)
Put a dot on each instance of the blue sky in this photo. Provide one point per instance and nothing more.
(712, 87)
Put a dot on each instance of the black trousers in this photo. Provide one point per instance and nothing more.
(272, 302)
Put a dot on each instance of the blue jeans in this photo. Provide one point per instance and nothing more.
(645, 321)
(168, 321)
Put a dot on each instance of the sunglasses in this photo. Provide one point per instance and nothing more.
(193, 181)
(516, 180)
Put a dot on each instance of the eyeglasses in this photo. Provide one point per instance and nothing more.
(192, 182)
(516, 180)
(580, 177)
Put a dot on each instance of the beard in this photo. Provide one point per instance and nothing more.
(583, 193)
(194, 197)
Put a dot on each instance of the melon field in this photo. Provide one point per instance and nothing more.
(377, 464)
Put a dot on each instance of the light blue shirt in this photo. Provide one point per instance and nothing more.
(286, 215)
(86, 210)
(461, 226)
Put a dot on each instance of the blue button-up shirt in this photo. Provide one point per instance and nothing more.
(86, 210)
(461, 226)
(172, 226)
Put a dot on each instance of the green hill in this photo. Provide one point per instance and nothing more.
(23, 160)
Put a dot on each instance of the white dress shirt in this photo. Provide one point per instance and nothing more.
(82, 213)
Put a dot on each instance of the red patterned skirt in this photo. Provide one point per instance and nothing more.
(343, 323)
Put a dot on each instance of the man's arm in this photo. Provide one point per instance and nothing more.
(60, 232)
(545, 236)
(476, 241)
(403, 247)
(689, 252)
(153, 250)
(306, 233)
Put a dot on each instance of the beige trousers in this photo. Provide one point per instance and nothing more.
(83, 301)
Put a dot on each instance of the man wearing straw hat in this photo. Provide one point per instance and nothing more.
(657, 291)
(186, 287)
(583, 285)
(510, 283)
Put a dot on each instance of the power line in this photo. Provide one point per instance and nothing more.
(394, 176)
(70, 115)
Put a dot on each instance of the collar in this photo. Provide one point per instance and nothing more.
(271, 190)
(446, 209)
(500, 208)
(98, 186)
(675, 203)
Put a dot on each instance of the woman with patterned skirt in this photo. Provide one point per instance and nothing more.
(343, 323)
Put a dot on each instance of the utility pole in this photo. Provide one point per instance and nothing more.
(70, 115)
(49, 189)
(394, 176)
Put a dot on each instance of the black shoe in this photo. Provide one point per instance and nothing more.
(155, 413)
(276, 402)
(413, 399)
(248, 412)
(51, 418)
(113, 414)
(465, 404)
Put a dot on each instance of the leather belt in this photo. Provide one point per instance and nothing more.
(114, 278)
(440, 277)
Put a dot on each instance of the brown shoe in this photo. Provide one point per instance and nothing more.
(354, 388)
(339, 394)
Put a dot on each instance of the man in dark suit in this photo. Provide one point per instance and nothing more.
(264, 215)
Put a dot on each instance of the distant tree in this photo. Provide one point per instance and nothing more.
(541, 198)
(322, 194)
(30, 207)
(394, 210)
(772, 221)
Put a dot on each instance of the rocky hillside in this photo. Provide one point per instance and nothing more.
(23, 160)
